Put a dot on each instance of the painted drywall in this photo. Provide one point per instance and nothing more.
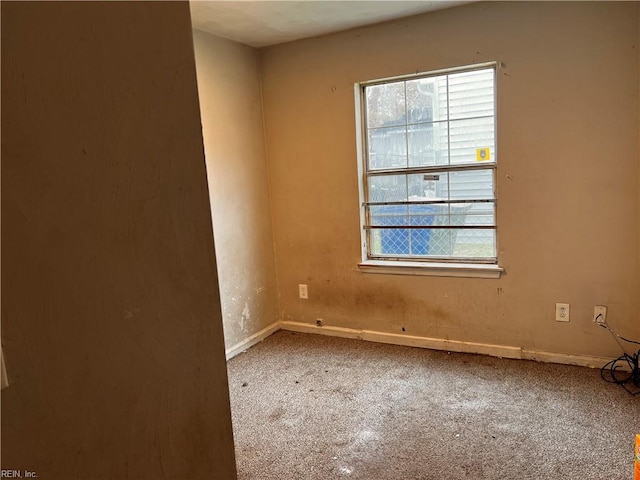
(231, 109)
(568, 213)
(111, 321)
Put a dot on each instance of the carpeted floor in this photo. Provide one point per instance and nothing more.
(316, 407)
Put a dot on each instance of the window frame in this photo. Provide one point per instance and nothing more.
(441, 266)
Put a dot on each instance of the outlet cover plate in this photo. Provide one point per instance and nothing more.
(600, 314)
(562, 312)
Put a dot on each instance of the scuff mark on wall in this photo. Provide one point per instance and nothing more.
(246, 315)
(130, 313)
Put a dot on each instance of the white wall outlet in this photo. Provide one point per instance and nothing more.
(303, 292)
(562, 312)
(600, 314)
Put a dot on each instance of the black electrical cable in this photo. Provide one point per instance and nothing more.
(630, 341)
(616, 372)
(624, 370)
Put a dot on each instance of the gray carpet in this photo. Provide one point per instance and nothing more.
(315, 407)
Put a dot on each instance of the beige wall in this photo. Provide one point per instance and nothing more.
(111, 322)
(568, 214)
(231, 106)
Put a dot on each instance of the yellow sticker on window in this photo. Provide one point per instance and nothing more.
(483, 154)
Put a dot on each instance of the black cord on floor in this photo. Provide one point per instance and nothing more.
(616, 372)
(624, 370)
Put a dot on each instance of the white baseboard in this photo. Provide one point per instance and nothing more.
(252, 340)
(501, 351)
(330, 331)
(565, 359)
(442, 344)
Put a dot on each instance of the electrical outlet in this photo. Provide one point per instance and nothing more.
(562, 312)
(303, 292)
(600, 314)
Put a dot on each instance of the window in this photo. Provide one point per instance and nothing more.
(428, 150)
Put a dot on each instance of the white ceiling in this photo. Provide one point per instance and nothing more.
(267, 22)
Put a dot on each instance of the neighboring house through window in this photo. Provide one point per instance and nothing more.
(428, 153)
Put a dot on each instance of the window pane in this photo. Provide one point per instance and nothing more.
(439, 214)
(388, 188)
(468, 136)
(432, 186)
(420, 238)
(428, 144)
(388, 215)
(374, 241)
(392, 241)
(471, 184)
(387, 148)
(471, 94)
(424, 215)
(442, 242)
(475, 243)
(427, 99)
(400, 241)
(461, 243)
(472, 214)
(385, 105)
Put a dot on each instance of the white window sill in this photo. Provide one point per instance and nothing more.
(467, 270)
